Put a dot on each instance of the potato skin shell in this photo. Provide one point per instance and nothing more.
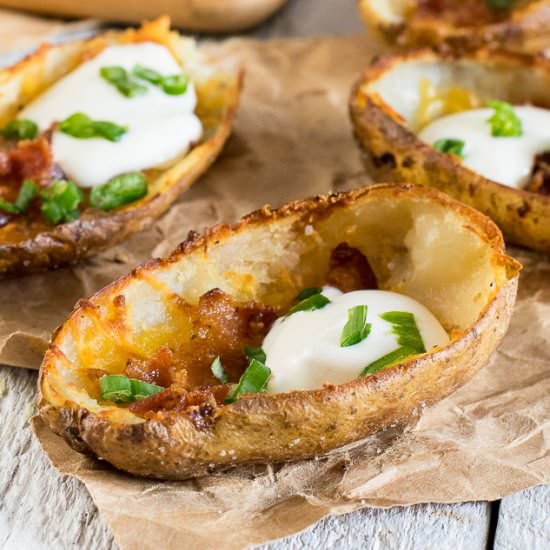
(393, 152)
(527, 31)
(295, 425)
(94, 231)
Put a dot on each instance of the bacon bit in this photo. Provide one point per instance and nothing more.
(221, 327)
(165, 399)
(540, 174)
(350, 270)
(30, 159)
(159, 370)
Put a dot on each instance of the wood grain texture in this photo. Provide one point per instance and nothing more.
(524, 520)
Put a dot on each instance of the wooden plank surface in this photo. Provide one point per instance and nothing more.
(39, 509)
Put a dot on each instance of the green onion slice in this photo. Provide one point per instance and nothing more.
(218, 371)
(392, 358)
(60, 201)
(121, 80)
(450, 146)
(145, 73)
(315, 301)
(504, 122)
(175, 84)
(253, 380)
(357, 328)
(142, 390)
(255, 353)
(121, 389)
(20, 129)
(28, 191)
(307, 292)
(81, 126)
(115, 388)
(406, 330)
(120, 190)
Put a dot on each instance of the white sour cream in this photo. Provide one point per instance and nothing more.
(160, 126)
(506, 160)
(303, 350)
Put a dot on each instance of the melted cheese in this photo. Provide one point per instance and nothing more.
(506, 160)
(160, 126)
(303, 350)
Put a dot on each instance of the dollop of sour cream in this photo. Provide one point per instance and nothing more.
(160, 126)
(303, 350)
(506, 160)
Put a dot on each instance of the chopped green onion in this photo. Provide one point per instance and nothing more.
(450, 146)
(145, 73)
(218, 371)
(357, 328)
(121, 389)
(115, 387)
(307, 292)
(315, 301)
(142, 390)
(8, 207)
(253, 380)
(404, 326)
(60, 201)
(175, 84)
(392, 358)
(20, 129)
(118, 191)
(504, 121)
(255, 353)
(28, 191)
(81, 126)
(120, 79)
(500, 4)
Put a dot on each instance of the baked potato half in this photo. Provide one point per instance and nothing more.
(518, 25)
(418, 241)
(28, 243)
(397, 96)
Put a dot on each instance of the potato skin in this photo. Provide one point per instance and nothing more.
(95, 230)
(290, 426)
(526, 30)
(393, 152)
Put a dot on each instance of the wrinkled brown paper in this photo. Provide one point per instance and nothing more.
(293, 139)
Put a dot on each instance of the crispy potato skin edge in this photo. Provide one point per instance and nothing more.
(295, 425)
(69, 243)
(392, 152)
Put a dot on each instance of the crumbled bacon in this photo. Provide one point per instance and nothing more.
(539, 181)
(29, 159)
(222, 327)
(159, 369)
(350, 270)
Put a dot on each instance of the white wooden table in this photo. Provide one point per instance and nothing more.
(39, 509)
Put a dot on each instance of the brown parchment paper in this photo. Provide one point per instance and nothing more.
(293, 139)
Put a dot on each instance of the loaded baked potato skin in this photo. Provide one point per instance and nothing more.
(466, 25)
(260, 428)
(31, 246)
(392, 150)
